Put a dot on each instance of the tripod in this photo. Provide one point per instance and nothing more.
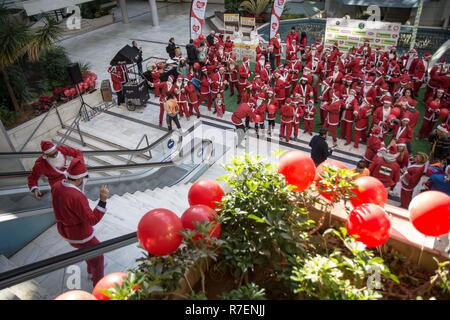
(83, 110)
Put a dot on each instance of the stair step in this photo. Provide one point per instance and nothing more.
(29, 290)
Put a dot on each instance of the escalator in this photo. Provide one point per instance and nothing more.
(23, 218)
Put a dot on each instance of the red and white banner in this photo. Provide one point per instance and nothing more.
(197, 17)
(277, 10)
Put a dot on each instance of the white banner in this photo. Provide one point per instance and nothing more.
(277, 11)
(198, 10)
(350, 33)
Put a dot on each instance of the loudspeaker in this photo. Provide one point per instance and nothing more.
(75, 73)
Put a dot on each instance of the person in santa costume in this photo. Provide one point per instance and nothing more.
(266, 74)
(167, 88)
(155, 74)
(333, 111)
(74, 217)
(419, 72)
(374, 144)
(402, 132)
(401, 84)
(205, 88)
(181, 95)
(409, 61)
(368, 89)
(243, 111)
(385, 168)
(308, 119)
(52, 164)
(287, 113)
(299, 106)
(432, 108)
(271, 116)
(304, 89)
(279, 90)
(403, 155)
(244, 74)
(220, 106)
(295, 68)
(362, 121)
(433, 82)
(292, 36)
(411, 178)
(119, 76)
(277, 48)
(381, 115)
(192, 96)
(233, 75)
(348, 116)
(218, 84)
(260, 64)
(260, 112)
(411, 113)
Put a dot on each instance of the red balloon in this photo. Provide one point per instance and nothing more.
(430, 213)
(76, 295)
(396, 112)
(205, 192)
(298, 169)
(196, 65)
(370, 224)
(443, 114)
(369, 190)
(329, 195)
(159, 232)
(108, 282)
(200, 213)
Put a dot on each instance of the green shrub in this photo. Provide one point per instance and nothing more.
(250, 291)
(20, 85)
(54, 62)
(7, 116)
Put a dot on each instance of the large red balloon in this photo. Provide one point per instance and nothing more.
(159, 232)
(205, 192)
(298, 169)
(76, 295)
(370, 223)
(443, 114)
(329, 195)
(369, 190)
(108, 282)
(200, 213)
(430, 213)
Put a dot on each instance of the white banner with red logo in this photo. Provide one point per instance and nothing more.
(277, 11)
(198, 10)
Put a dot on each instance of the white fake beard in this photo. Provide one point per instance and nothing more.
(258, 103)
(58, 162)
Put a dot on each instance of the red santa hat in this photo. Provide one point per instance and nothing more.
(77, 169)
(180, 77)
(404, 78)
(348, 78)
(245, 59)
(401, 143)
(47, 147)
(303, 78)
(384, 87)
(262, 95)
(257, 76)
(387, 100)
(405, 119)
(288, 101)
(204, 69)
(251, 101)
(306, 69)
(170, 78)
(376, 131)
(440, 90)
(391, 154)
(188, 77)
(267, 64)
(221, 68)
(443, 127)
(427, 55)
(411, 103)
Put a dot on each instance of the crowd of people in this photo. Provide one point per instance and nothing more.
(368, 93)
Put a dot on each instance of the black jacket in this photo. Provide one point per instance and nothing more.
(210, 39)
(171, 49)
(191, 51)
(441, 146)
(319, 149)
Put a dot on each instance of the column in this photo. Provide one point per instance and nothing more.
(154, 12)
(123, 8)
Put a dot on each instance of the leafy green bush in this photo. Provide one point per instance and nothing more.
(250, 291)
(261, 226)
(353, 275)
(232, 6)
(7, 116)
(54, 62)
(20, 85)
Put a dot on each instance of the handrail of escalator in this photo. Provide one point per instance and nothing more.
(34, 154)
(158, 164)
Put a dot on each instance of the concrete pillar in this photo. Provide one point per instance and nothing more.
(123, 8)
(154, 12)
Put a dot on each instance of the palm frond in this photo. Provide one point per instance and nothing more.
(44, 37)
(15, 37)
(255, 7)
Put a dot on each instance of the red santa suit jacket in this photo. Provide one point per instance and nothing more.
(287, 113)
(242, 112)
(403, 159)
(333, 109)
(387, 172)
(43, 168)
(74, 218)
(374, 144)
(244, 73)
(402, 133)
(411, 178)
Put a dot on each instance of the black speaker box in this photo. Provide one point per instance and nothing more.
(75, 73)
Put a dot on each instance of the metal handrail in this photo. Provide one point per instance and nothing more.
(40, 268)
(53, 107)
(144, 137)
